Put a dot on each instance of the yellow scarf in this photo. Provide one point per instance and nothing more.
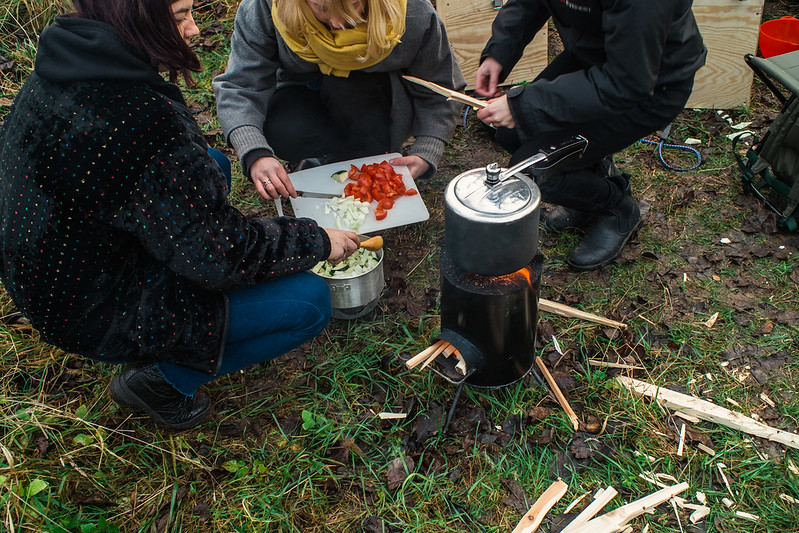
(337, 52)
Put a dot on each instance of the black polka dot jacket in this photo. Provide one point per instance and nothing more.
(117, 240)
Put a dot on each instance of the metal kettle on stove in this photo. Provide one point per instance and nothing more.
(491, 214)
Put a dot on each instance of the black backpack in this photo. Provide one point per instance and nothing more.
(770, 169)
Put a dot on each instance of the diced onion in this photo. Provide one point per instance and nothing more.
(348, 211)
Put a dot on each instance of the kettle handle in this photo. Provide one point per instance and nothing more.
(551, 157)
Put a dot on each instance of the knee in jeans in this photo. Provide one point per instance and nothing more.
(319, 303)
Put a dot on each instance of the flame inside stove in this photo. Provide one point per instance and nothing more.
(515, 277)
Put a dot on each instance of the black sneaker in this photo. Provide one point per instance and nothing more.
(145, 388)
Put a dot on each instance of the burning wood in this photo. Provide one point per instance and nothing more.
(429, 354)
(420, 357)
(442, 346)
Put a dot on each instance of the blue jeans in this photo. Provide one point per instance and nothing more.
(223, 162)
(265, 322)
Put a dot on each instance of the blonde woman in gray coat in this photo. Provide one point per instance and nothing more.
(317, 81)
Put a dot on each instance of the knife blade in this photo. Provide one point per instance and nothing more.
(309, 194)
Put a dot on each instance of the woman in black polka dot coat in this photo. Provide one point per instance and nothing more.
(117, 240)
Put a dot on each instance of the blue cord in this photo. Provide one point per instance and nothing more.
(465, 114)
(662, 144)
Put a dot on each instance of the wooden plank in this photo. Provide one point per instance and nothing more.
(532, 519)
(601, 499)
(730, 29)
(617, 519)
(709, 411)
(468, 24)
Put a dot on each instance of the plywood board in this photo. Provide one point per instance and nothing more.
(730, 29)
(468, 24)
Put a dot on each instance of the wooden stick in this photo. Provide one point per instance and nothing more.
(391, 416)
(435, 354)
(617, 519)
(449, 350)
(461, 366)
(449, 93)
(533, 518)
(571, 312)
(607, 364)
(681, 445)
(709, 411)
(573, 504)
(424, 354)
(601, 499)
(564, 403)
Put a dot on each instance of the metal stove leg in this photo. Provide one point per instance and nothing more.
(452, 408)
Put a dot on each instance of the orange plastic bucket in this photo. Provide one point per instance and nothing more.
(779, 36)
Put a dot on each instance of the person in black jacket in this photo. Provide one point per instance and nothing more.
(627, 69)
(116, 238)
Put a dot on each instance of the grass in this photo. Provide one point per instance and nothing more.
(296, 445)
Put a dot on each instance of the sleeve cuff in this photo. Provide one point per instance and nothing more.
(245, 139)
(431, 149)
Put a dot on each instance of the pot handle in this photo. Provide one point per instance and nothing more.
(548, 159)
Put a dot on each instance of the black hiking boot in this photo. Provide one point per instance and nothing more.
(145, 388)
(561, 218)
(610, 231)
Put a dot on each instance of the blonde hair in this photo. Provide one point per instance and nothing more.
(384, 19)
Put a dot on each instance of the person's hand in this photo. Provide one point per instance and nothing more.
(415, 164)
(497, 113)
(487, 78)
(342, 244)
(270, 179)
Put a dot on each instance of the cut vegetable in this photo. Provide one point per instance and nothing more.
(340, 176)
(360, 262)
(377, 181)
(349, 212)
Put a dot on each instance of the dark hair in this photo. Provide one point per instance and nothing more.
(149, 26)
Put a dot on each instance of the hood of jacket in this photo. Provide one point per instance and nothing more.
(78, 49)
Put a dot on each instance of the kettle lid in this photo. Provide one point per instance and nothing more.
(516, 194)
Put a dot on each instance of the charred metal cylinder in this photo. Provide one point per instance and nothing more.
(491, 320)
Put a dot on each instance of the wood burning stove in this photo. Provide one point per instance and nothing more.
(491, 270)
(491, 321)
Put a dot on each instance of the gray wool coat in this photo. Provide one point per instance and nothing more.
(260, 62)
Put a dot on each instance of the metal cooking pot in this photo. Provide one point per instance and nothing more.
(491, 215)
(356, 296)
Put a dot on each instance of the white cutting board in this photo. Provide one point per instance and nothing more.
(406, 210)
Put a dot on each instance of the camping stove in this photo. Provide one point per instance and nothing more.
(491, 321)
(491, 269)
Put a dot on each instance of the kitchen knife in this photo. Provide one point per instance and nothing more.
(309, 194)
